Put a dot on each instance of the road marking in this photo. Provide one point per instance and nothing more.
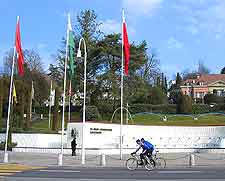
(178, 171)
(65, 171)
(9, 171)
(6, 174)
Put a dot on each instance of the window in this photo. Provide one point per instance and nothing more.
(220, 92)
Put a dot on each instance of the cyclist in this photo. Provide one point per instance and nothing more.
(145, 149)
(150, 146)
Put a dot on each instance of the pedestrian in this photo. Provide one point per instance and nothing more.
(74, 146)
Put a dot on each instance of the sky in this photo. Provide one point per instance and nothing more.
(181, 32)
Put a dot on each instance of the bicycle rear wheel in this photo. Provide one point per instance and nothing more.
(160, 163)
(131, 164)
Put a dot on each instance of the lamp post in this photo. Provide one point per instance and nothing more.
(84, 103)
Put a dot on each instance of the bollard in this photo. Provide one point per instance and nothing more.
(102, 160)
(192, 160)
(60, 156)
(6, 157)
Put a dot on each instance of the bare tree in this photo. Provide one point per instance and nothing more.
(7, 62)
(202, 69)
(150, 70)
(33, 61)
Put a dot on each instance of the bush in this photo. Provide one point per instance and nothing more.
(164, 108)
(92, 113)
(10, 146)
(212, 98)
(41, 110)
(106, 108)
(200, 108)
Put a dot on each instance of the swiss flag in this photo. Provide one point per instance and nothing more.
(126, 48)
(20, 59)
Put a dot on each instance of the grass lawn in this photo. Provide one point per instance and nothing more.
(42, 125)
(145, 119)
(180, 120)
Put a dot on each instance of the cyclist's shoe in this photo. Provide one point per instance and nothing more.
(153, 163)
(140, 162)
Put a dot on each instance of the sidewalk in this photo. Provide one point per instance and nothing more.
(172, 159)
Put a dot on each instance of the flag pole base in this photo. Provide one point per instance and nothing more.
(6, 157)
(60, 159)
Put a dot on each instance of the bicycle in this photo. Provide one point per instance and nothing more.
(134, 161)
(160, 162)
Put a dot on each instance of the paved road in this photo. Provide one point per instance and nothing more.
(116, 173)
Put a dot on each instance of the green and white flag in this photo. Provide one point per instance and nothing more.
(71, 47)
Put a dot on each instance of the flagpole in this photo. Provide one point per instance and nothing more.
(64, 96)
(69, 101)
(31, 97)
(121, 104)
(50, 104)
(84, 103)
(9, 103)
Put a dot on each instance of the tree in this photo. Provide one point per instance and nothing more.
(184, 104)
(7, 62)
(55, 74)
(165, 87)
(55, 121)
(104, 63)
(150, 70)
(178, 80)
(34, 71)
(223, 70)
(88, 28)
(156, 96)
(1, 102)
(158, 81)
(202, 69)
(187, 74)
(33, 61)
(175, 91)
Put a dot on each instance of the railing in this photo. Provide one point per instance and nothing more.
(165, 117)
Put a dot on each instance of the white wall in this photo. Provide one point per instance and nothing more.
(36, 140)
(106, 137)
(161, 136)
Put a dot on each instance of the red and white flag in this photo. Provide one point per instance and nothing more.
(126, 47)
(20, 59)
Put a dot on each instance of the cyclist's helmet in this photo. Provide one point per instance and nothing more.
(138, 141)
(142, 139)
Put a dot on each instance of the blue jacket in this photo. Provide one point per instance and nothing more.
(148, 145)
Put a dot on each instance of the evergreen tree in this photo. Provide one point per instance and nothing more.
(184, 104)
(223, 70)
(158, 81)
(1, 102)
(165, 85)
(178, 80)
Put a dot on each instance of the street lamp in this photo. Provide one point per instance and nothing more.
(84, 104)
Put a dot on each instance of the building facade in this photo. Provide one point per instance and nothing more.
(204, 84)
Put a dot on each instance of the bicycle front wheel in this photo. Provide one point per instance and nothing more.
(160, 163)
(149, 164)
(131, 164)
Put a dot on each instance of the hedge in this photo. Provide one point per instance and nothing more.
(92, 113)
(164, 108)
